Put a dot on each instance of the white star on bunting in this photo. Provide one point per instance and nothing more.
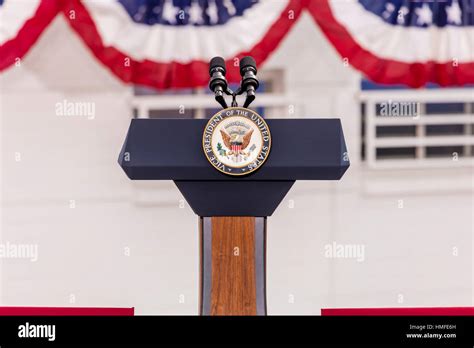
(141, 12)
(195, 13)
(454, 13)
(169, 11)
(230, 7)
(212, 12)
(389, 8)
(425, 16)
(401, 14)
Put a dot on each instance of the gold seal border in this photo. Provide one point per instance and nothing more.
(269, 141)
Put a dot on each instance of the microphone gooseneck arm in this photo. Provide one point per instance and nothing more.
(219, 96)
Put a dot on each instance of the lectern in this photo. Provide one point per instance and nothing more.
(233, 209)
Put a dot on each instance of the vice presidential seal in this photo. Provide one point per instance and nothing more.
(236, 141)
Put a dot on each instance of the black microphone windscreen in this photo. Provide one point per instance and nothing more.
(246, 62)
(217, 62)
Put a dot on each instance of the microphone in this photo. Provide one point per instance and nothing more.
(248, 71)
(218, 82)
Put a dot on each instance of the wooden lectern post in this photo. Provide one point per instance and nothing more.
(232, 266)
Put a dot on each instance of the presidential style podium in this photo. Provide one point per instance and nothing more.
(233, 210)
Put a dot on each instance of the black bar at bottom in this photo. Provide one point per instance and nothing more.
(450, 331)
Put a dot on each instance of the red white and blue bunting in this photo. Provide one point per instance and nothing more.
(402, 41)
(168, 43)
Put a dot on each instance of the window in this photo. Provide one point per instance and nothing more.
(417, 128)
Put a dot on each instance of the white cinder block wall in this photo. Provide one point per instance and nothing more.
(63, 190)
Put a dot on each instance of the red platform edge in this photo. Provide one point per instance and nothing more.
(426, 311)
(66, 311)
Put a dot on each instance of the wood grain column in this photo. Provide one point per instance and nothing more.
(233, 266)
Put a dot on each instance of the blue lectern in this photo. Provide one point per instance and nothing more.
(233, 210)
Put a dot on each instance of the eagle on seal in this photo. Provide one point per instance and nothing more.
(236, 142)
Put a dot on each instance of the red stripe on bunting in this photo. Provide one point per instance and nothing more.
(164, 75)
(26, 37)
(385, 70)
